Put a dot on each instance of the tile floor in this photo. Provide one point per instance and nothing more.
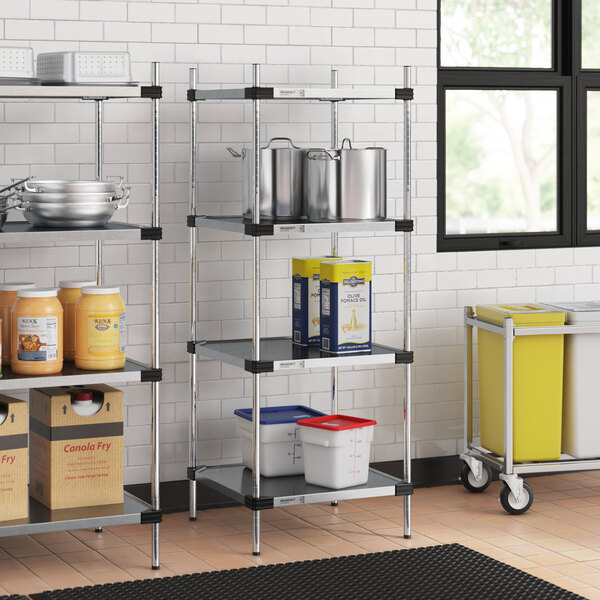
(557, 540)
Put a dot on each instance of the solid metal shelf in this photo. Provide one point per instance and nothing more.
(303, 93)
(21, 232)
(43, 520)
(79, 92)
(281, 354)
(265, 227)
(132, 372)
(235, 481)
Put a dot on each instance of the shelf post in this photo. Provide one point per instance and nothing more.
(155, 316)
(334, 244)
(407, 304)
(256, 317)
(468, 375)
(99, 167)
(334, 236)
(193, 296)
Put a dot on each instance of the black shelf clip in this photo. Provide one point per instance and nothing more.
(405, 94)
(149, 516)
(151, 376)
(151, 91)
(405, 225)
(404, 489)
(405, 358)
(260, 503)
(192, 472)
(258, 93)
(258, 366)
(151, 233)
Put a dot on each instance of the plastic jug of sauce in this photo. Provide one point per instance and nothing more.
(68, 294)
(100, 329)
(8, 296)
(37, 332)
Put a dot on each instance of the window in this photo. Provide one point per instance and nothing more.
(518, 124)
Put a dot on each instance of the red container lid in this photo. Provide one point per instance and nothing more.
(83, 396)
(337, 422)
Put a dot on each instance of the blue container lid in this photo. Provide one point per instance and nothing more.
(275, 415)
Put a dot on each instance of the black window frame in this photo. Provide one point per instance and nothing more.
(572, 84)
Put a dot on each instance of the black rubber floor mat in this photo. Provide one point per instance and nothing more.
(437, 572)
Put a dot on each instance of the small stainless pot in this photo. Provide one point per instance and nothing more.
(346, 184)
(282, 180)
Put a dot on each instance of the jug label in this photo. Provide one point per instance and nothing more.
(106, 334)
(37, 338)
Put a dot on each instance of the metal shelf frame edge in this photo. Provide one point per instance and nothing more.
(240, 225)
(234, 481)
(331, 94)
(134, 511)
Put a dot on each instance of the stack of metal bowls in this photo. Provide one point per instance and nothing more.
(61, 203)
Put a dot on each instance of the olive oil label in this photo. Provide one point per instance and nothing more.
(106, 334)
(37, 338)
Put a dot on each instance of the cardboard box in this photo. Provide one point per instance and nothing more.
(346, 306)
(76, 460)
(14, 500)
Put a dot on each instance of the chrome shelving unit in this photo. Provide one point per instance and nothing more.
(132, 510)
(516, 496)
(264, 355)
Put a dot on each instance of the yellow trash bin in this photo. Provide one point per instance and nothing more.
(537, 383)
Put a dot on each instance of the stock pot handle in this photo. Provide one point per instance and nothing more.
(313, 154)
(234, 153)
(349, 143)
(125, 197)
(282, 139)
(118, 178)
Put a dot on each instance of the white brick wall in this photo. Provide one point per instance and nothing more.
(298, 41)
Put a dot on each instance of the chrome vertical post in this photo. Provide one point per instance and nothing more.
(334, 240)
(256, 317)
(193, 295)
(407, 303)
(99, 166)
(509, 338)
(155, 316)
(468, 375)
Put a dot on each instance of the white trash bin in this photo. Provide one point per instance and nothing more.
(336, 450)
(581, 404)
(280, 445)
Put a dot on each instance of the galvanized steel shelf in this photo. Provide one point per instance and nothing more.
(260, 355)
(79, 91)
(242, 225)
(281, 354)
(132, 372)
(235, 481)
(43, 520)
(21, 232)
(133, 510)
(332, 94)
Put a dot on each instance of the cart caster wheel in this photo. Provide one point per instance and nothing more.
(510, 504)
(468, 479)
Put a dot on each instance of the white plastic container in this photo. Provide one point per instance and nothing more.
(581, 405)
(336, 450)
(281, 451)
(84, 67)
(16, 62)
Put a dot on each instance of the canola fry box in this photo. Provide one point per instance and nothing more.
(76, 460)
(306, 299)
(346, 306)
(14, 502)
